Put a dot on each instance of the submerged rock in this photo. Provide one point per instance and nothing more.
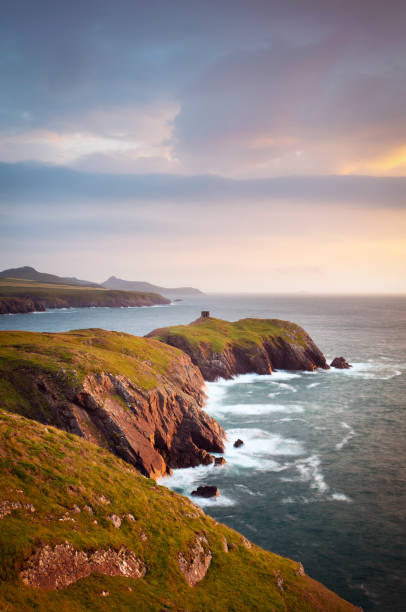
(238, 443)
(206, 491)
(340, 363)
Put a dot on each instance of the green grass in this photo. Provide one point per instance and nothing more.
(54, 471)
(216, 335)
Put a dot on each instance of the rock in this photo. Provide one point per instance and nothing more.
(340, 363)
(116, 520)
(238, 443)
(246, 543)
(143, 536)
(7, 506)
(56, 567)
(300, 570)
(206, 491)
(130, 517)
(220, 461)
(103, 499)
(195, 563)
(224, 544)
(279, 581)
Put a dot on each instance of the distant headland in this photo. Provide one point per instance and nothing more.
(24, 290)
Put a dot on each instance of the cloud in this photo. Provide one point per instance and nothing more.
(238, 89)
(33, 182)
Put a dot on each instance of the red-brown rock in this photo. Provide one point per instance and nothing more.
(340, 363)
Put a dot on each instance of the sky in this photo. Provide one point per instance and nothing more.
(233, 146)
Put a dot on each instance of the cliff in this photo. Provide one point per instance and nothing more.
(21, 296)
(82, 530)
(224, 349)
(136, 397)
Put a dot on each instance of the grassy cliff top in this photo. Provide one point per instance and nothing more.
(217, 334)
(78, 353)
(57, 488)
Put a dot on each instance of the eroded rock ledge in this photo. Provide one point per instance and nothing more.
(222, 349)
(56, 567)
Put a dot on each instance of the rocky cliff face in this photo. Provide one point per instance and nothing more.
(150, 416)
(222, 349)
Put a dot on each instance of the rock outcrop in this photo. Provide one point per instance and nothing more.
(196, 561)
(222, 349)
(56, 567)
(340, 363)
(206, 491)
(150, 415)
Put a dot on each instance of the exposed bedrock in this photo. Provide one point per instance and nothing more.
(222, 349)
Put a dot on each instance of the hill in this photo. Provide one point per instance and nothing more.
(117, 283)
(82, 530)
(28, 273)
(20, 295)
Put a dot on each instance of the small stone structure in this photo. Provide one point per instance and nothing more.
(205, 314)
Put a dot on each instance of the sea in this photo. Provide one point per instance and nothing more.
(321, 476)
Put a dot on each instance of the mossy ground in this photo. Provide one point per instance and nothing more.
(218, 335)
(55, 471)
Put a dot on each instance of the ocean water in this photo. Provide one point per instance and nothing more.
(321, 477)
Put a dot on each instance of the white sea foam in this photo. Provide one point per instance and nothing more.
(252, 409)
(341, 497)
(284, 386)
(221, 500)
(185, 480)
(249, 492)
(310, 471)
(260, 449)
(313, 385)
(351, 433)
(370, 370)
